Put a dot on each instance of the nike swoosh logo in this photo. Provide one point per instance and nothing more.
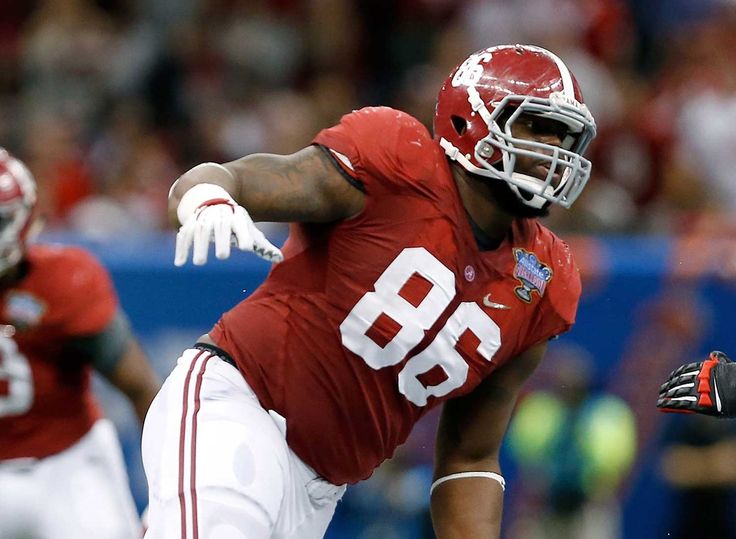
(492, 304)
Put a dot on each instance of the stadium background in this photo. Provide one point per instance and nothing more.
(107, 101)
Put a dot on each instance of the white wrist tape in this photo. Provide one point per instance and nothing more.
(463, 475)
(198, 195)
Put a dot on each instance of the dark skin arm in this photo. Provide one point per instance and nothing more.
(301, 187)
(469, 440)
(134, 376)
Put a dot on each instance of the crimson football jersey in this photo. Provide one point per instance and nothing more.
(370, 322)
(46, 403)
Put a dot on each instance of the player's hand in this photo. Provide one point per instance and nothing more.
(706, 387)
(223, 222)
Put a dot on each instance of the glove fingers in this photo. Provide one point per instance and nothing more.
(249, 238)
(202, 237)
(675, 405)
(223, 224)
(695, 387)
(242, 231)
(183, 244)
(687, 369)
(223, 231)
(681, 390)
(264, 248)
(674, 381)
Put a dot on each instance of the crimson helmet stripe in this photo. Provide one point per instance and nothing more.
(568, 88)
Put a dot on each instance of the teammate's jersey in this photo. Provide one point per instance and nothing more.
(370, 322)
(46, 403)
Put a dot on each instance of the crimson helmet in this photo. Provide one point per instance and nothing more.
(17, 202)
(483, 97)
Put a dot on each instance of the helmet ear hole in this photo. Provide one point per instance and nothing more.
(459, 124)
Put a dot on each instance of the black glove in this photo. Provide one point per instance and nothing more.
(706, 387)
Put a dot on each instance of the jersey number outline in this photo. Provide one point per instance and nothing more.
(414, 321)
(15, 371)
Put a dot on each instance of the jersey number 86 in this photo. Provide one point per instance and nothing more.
(414, 321)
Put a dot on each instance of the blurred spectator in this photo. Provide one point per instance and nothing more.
(698, 463)
(573, 446)
(666, 330)
(54, 155)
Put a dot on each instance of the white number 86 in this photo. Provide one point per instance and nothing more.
(15, 372)
(414, 321)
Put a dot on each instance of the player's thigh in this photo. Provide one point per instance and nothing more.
(311, 503)
(20, 491)
(87, 491)
(215, 460)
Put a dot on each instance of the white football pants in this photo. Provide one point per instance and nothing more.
(218, 465)
(79, 493)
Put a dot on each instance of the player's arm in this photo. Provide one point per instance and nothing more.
(116, 354)
(306, 186)
(222, 200)
(467, 495)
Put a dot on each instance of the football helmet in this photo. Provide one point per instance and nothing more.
(495, 87)
(17, 203)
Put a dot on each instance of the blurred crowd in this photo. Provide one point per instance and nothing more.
(109, 100)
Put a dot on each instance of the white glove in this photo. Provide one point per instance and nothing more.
(208, 213)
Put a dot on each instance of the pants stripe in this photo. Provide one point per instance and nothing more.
(182, 435)
(193, 471)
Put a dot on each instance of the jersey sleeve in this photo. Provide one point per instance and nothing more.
(103, 349)
(90, 302)
(564, 291)
(382, 149)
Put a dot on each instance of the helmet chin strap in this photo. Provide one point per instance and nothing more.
(10, 259)
(535, 201)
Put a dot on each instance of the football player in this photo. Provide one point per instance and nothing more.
(704, 387)
(62, 474)
(415, 275)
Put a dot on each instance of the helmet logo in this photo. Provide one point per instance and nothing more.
(6, 182)
(470, 71)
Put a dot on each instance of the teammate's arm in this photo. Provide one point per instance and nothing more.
(115, 353)
(469, 440)
(134, 376)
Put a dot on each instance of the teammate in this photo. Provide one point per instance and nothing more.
(415, 275)
(62, 474)
(705, 387)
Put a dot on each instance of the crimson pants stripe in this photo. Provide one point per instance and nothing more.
(193, 471)
(182, 435)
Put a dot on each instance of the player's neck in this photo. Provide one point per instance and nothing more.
(482, 209)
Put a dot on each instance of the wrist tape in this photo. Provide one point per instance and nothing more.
(200, 195)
